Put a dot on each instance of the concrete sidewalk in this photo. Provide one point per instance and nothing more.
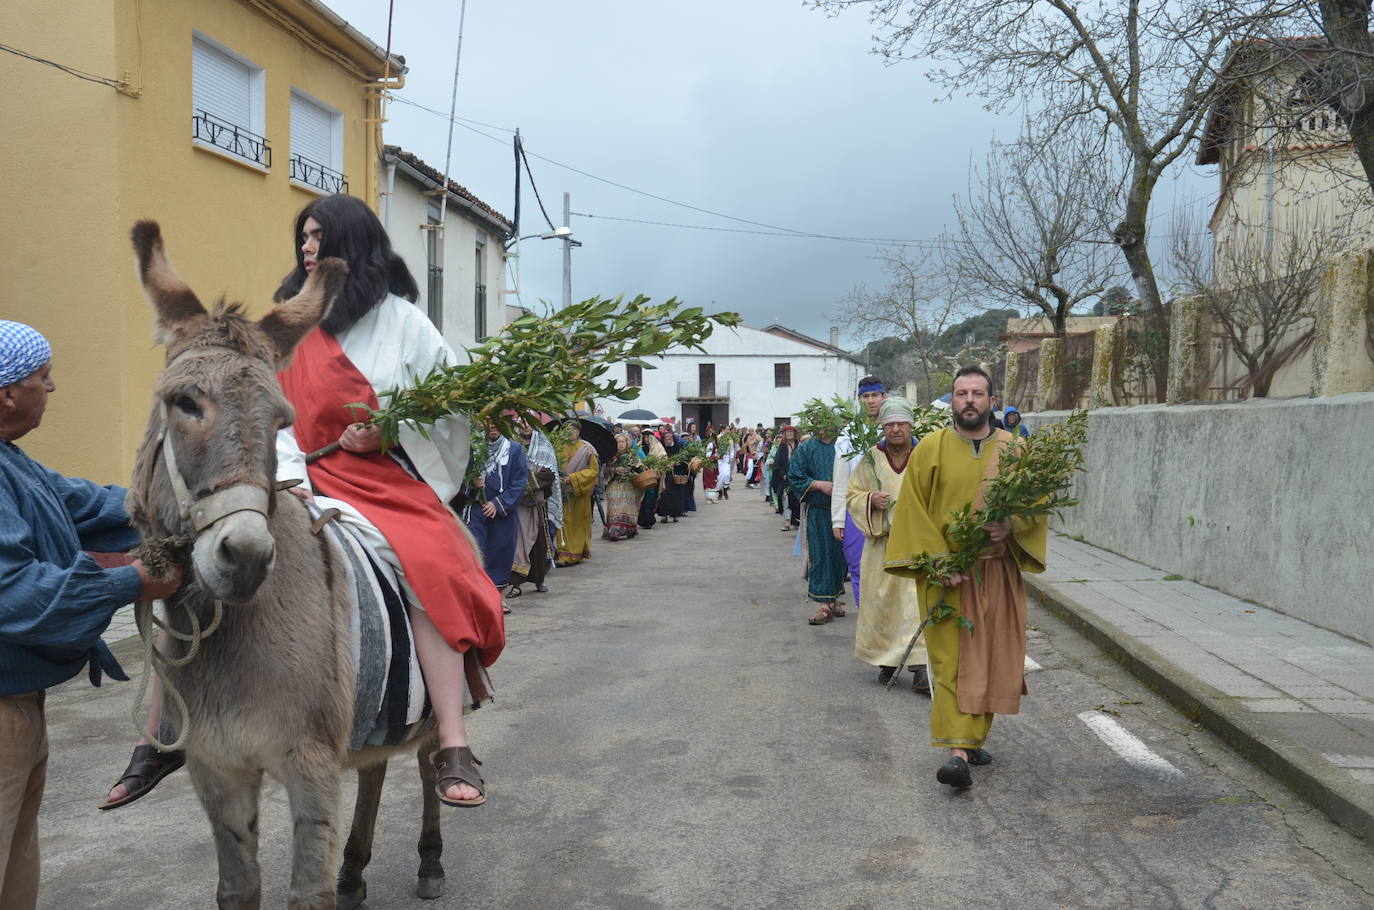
(1294, 699)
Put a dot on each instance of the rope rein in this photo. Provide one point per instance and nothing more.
(159, 555)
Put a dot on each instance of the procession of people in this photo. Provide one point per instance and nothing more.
(527, 506)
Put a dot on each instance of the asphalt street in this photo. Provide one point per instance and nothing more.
(669, 732)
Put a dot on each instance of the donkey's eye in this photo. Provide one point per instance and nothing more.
(188, 407)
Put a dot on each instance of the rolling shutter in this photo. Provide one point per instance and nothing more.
(221, 85)
(312, 131)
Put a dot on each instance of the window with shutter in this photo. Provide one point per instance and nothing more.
(227, 102)
(316, 144)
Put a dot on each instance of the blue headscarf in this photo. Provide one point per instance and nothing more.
(22, 350)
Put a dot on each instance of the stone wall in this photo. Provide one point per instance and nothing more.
(1272, 501)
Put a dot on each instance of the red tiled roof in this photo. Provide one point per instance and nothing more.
(438, 178)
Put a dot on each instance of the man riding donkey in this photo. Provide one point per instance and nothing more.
(372, 340)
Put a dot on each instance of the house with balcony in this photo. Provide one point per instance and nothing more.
(757, 375)
(460, 266)
(220, 119)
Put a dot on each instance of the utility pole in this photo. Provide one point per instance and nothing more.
(567, 252)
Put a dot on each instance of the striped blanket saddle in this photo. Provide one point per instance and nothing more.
(390, 703)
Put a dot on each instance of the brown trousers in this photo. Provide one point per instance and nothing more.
(23, 771)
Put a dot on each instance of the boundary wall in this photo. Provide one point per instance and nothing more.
(1270, 501)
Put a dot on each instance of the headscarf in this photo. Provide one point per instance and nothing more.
(22, 350)
(872, 387)
(542, 455)
(895, 409)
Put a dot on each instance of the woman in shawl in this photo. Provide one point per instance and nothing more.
(648, 447)
(782, 493)
(672, 500)
(622, 496)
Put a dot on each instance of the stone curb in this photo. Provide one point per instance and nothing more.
(1304, 771)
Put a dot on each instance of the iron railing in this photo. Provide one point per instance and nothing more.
(312, 173)
(234, 139)
(712, 391)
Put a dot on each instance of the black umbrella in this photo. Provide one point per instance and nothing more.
(598, 432)
(638, 415)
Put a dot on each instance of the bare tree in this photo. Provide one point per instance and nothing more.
(1031, 231)
(1259, 286)
(1143, 71)
(916, 305)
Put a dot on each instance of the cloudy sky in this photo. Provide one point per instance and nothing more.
(760, 110)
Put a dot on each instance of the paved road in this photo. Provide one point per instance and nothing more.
(670, 733)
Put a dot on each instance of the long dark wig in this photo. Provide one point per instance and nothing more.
(352, 232)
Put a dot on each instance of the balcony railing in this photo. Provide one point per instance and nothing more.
(312, 173)
(236, 140)
(703, 391)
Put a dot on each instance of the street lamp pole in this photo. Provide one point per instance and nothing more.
(567, 251)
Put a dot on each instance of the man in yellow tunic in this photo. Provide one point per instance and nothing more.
(580, 471)
(981, 672)
(891, 611)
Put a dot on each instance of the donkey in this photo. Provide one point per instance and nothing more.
(272, 689)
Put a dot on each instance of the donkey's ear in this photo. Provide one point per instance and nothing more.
(172, 299)
(292, 320)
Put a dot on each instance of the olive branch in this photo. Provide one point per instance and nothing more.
(1033, 480)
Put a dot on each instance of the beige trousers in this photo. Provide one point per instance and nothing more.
(23, 771)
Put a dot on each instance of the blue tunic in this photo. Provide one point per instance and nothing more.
(54, 599)
(812, 461)
(503, 485)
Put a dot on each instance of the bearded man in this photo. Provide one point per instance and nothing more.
(891, 610)
(979, 672)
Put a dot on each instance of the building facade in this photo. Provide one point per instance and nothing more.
(220, 119)
(757, 375)
(461, 268)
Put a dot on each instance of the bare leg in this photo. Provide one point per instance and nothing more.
(358, 850)
(119, 791)
(444, 679)
(313, 785)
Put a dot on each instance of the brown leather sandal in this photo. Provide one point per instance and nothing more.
(837, 611)
(457, 765)
(821, 618)
(146, 769)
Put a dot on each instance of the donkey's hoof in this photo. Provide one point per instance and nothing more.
(352, 900)
(430, 888)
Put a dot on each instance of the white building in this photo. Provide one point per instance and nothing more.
(758, 375)
(460, 270)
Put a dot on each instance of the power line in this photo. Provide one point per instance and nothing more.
(69, 70)
(461, 121)
(520, 146)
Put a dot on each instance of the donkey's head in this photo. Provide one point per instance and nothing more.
(207, 465)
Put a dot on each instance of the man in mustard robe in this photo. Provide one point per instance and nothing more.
(980, 673)
(581, 468)
(891, 610)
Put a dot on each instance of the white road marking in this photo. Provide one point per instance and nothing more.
(1124, 744)
(1030, 664)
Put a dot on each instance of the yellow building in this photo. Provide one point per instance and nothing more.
(220, 119)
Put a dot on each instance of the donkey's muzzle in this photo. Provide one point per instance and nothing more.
(233, 557)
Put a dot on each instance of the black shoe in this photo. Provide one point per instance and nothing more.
(955, 773)
(885, 675)
(920, 681)
(979, 757)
